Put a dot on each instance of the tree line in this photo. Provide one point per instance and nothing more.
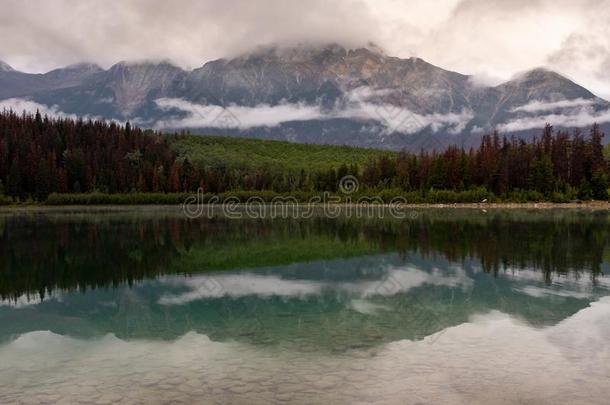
(557, 162)
(41, 155)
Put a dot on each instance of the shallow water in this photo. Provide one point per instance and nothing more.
(447, 306)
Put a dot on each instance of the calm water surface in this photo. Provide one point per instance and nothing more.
(447, 306)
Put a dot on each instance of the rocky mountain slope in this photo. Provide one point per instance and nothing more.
(328, 94)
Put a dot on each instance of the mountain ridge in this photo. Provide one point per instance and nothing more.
(329, 94)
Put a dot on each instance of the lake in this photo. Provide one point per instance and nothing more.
(145, 305)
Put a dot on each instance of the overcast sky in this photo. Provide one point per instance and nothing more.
(493, 39)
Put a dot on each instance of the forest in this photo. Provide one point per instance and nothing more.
(62, 160)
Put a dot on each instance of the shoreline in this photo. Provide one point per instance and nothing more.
(590, 205)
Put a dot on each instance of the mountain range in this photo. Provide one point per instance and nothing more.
(311, 94)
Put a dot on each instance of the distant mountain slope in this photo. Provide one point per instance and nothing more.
(18, 84)
(330, 94)
(124, 91)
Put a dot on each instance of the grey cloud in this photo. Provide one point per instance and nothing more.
(41, 35)
(490, 38)
(497, 38)
(587, 54)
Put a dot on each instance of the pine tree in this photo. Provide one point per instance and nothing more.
(43, 181)
(599, 185)
(15, 186)
(127, 129)
(541, 176)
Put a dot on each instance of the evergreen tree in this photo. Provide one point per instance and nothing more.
(43, 181)
(15, 186)
(541, 176)
(599, 185)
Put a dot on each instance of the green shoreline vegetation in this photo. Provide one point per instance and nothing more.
(46, 161)
(433, 197)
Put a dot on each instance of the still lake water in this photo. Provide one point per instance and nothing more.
(447, 306)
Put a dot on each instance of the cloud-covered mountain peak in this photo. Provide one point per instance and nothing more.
(83, 67)
(544, 84)
(538, 73)
(309, 51)
(144, 65)
(5, 67)
(73, 74)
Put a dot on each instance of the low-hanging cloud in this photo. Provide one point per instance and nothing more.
(582, 117)
(20, 105)
(191, 115)
(393, 118)
(371, 103)
(537, 106)
(234, 116)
